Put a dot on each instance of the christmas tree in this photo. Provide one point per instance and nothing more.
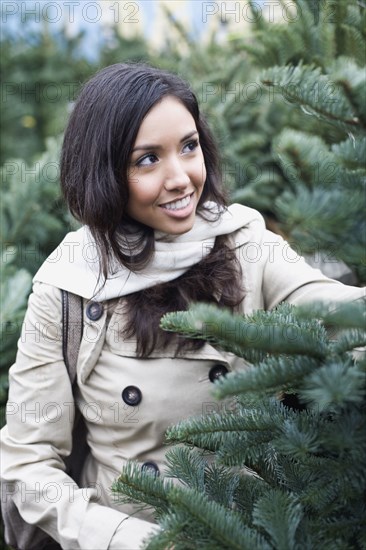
(295, 165)
(259, 473)
(281, 477)
(42, 70)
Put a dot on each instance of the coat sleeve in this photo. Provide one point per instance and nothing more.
(287, 277)
(37, 437)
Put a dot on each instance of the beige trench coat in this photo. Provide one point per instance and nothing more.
(41, 406)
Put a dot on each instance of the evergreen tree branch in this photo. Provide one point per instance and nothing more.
(314, 215)
(225, 527)
(136, 486)
(217, 428)
(187, 465)
(352, 79)
(279, 514)
(334, 385)
(345, 315)
(249, 489)
(238, 333)
(221, 484)
(269, 376)
(349, 341)
(176, 533)
(265, 418)
(352, 154)
(308, 156)
(315, 92)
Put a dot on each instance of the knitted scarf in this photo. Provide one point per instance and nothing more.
(74, 265)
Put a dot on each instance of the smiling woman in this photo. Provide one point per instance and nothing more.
(166, 182)
(140, 171)
(123, 121)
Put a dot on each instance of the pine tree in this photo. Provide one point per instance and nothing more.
(29, 193)
(295, 165)
(42, 72)
(260, 473)
(36, 68)
(320, 67)
(282, 477)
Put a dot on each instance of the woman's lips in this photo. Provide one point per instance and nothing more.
(180, 208)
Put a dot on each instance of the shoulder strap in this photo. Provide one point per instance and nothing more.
(72, 330)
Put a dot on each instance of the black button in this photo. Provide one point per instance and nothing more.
(94, 311)
(150, 468)
(131, 395)
(217, 371)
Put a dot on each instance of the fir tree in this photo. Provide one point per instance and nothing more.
(42, 72)
(30, 193)
(281, 478)
(261, 474)
(295, 165)
(318, 63)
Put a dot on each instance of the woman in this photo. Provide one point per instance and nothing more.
(140, 171)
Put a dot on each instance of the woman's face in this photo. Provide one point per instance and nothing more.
(167, 169)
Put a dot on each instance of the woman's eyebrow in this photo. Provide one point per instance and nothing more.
(147, 147)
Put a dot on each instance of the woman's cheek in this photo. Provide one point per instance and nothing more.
(202, 174)
(145, 190)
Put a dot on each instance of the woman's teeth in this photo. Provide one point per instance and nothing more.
(177, 205)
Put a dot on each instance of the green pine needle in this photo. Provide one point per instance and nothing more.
(224, 527)
(315, 92)
(187, 465)
(262, 330)
(279, 514)
(221, 484)
(342, 314)
(136, 486)
(269, 376)
(334, 385)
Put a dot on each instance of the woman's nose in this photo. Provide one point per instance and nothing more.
(176, 176)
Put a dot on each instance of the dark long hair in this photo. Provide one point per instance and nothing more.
(96, 151)
(97, 148)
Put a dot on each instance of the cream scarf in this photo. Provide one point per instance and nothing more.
(74, 265)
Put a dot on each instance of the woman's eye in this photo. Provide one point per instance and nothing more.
(190, 146)
(147, 160)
